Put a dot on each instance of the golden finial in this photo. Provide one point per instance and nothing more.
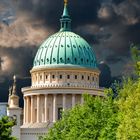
(65, 2)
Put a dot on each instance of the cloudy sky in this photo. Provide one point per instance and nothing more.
(110, 26)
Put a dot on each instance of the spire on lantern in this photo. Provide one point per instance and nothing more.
(65, 20)
(65, 2)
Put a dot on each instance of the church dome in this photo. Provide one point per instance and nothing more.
(65, 49)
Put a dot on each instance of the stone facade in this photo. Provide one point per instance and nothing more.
(52, 91)
(3, 109)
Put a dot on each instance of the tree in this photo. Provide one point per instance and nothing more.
(95, 119)
(135, 53)
(6, 128)
(129, 111)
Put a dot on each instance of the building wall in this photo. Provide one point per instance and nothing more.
(3, 109)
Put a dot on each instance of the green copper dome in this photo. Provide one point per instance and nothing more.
(65, 49)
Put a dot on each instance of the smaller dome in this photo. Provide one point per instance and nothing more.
(65, 49)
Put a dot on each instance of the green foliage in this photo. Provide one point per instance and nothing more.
(5, 128)
(95, 119)
(129, 111)
(135, 53)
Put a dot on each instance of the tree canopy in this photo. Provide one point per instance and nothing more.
(95, 119)
(6, 125)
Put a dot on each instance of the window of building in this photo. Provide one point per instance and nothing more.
(75, 76)
(60, 113)
(60, 76)
(68, 76)
(82, 77)
(53, 76)
(46, 76)
(88, 77)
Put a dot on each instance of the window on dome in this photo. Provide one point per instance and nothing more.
(47, 59)
(75, 76)
(61, 59)
(68, 60)
(54, 60)
(87, 60)
(68, 76)
(75, 60)
(62, 46)
(74, 46)
(68, 46)
(82, 60)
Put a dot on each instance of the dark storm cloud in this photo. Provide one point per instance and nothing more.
(81, 12)
(110, 26)
(17, 60)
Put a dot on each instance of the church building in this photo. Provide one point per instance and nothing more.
(64, 68)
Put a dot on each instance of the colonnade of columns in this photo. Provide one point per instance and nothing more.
(33, 108)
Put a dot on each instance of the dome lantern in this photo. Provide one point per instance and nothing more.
(65, 19)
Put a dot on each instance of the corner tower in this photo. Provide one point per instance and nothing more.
(13, 110)
(64, 68)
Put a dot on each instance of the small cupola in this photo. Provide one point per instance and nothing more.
(65, 18)
(13, 97)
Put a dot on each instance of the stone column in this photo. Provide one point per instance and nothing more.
(37, 78)
(25, 110)
(73, 100)
(32, 109)
(54, 108)
(64, 102)
(46, 107)
(82, 99)
(38, 109)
